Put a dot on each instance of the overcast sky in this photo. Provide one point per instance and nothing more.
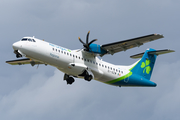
(28, 93)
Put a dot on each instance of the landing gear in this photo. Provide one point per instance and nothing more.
(18, 55)
(68, 79)
(88, 77)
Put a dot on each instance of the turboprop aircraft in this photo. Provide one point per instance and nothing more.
(85, 63)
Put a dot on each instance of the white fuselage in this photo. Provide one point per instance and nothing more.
(71, 62)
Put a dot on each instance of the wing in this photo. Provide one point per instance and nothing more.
(24, 61)
(128, 44)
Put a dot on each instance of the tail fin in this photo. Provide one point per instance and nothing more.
(145, 66)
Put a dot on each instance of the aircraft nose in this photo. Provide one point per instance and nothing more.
(16, 45)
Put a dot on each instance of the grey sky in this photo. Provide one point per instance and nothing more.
(41, 94)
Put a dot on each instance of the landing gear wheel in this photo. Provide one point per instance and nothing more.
(18, 55)
(70, 80)
(88, 77)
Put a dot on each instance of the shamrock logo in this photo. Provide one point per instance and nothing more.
(146, 66)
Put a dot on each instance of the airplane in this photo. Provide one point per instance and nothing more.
(86, 63)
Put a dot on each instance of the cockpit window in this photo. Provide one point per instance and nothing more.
(29, 39)
(24, 39)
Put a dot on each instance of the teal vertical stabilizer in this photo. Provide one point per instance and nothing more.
(141, 71)
(145, 66)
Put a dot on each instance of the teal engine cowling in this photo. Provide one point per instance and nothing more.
(90, 47)
(95, 48)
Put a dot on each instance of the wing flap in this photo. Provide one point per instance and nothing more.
(24, 61)
(131, 43)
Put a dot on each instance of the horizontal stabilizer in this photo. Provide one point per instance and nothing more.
(158, 52)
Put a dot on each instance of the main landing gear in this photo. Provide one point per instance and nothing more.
(88, 77)
(68, 79)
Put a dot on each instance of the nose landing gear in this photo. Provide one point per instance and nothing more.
(18, 55)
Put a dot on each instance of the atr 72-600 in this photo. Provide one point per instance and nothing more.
(85, 63)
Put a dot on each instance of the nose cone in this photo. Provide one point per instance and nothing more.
(16, 45)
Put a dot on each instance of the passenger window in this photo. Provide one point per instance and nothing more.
(61, 51)
(53, 49)
(67, 53)
(64, 52)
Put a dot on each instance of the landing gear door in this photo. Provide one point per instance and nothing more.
(90, 73)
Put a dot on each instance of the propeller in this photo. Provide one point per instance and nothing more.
(87, 44)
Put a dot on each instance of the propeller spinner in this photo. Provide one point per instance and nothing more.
(87, 44)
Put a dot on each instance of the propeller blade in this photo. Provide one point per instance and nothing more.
(81, 41)
(87, 38)
(92, 41)
(86, 45)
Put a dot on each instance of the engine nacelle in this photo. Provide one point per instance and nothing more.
(95, 48)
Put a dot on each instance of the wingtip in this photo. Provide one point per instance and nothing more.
(162, 36)
(172, 50)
